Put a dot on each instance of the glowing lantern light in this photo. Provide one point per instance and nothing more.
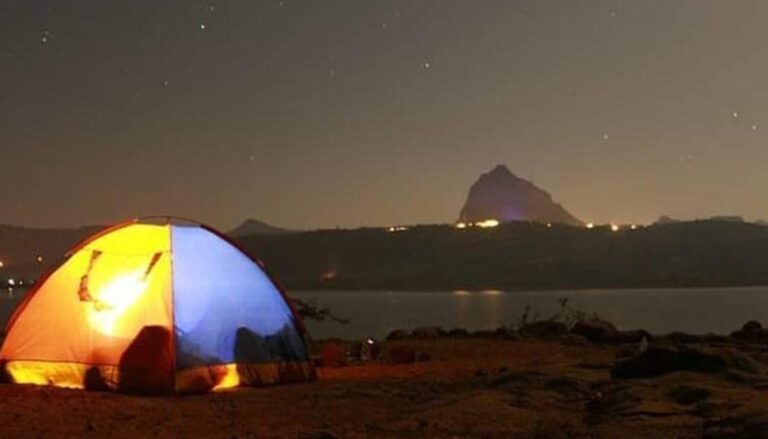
(110, 315)
(461, 225)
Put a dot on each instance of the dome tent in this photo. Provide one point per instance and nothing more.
(155, 306)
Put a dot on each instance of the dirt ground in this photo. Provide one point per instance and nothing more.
(469, 388)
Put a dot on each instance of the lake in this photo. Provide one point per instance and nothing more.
(375, 313)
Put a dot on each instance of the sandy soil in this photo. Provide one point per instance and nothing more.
(472, 388)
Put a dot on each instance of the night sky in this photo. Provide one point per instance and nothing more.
(310, 114)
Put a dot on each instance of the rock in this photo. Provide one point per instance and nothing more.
(502, 196)
(458, 333)
(544, 329)
(506, 333)
(428, 332)
(401, 354)
(682, 337)
(751, 331)
(483, 333)
(597, 331)
(333, 355)
(573, 340)
(399, 334)
(146, 366)
(635, 336)
(659, 360)
(688, 395)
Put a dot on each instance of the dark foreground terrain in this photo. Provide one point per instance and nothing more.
(591, 382)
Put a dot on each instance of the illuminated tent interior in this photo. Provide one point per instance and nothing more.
(155, 306)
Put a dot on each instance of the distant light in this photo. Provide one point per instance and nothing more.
(633, 227)
(2, 264)
(614, 228)
(590, 225)
(735, 115)
(39, 258)
(370, 341)
(461, 225)
(11, 282)
(549, 225)
(394, 229)
(202, 26)
(487, 223)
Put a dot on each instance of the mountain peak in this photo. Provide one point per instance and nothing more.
(500, 169)
(256, 227)
(501, 195)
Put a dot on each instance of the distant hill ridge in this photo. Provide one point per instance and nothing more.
(501, 195)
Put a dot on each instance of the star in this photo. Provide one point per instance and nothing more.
(754, 127)
(166, 83)
(605, 136)
(735, 114)
(202, 26)
(427, 65)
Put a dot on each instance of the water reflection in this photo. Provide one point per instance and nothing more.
(375, 313)
(704, 310)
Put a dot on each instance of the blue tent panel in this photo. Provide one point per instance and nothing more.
(226, 310)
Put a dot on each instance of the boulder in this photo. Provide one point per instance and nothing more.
(458, 333)
(333, 355)
(543, 329)
(635, 336)
(401, 354)
(597, 331)
(483, 333)
(660, 360)
(682, 337)
(399, 334)
(428, 332)
(146, 366)
(689, 395)
(506, 333)
(752, 331)
(573, 340)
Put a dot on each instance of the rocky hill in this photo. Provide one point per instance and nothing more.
(501, 195)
